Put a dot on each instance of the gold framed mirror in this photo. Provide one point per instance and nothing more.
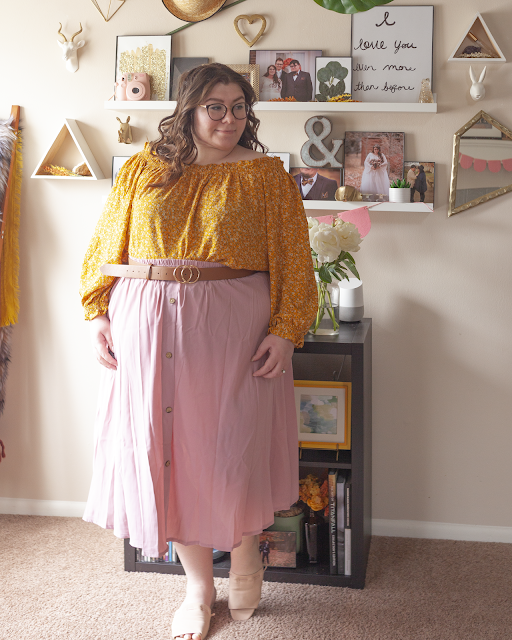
(481, 164)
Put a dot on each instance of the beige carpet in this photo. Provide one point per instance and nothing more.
(63, 578)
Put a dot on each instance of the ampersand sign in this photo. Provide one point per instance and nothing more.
(329, 157)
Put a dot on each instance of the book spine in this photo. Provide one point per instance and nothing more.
(340, 523)
(348, 528)
(333, 553)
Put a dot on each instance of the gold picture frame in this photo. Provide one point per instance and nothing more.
(323, 414)
(452, 210)
(251, 72)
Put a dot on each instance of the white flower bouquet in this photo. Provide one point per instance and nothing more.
(331, 248)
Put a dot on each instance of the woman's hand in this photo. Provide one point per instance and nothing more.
(102, 341)
(279, 359)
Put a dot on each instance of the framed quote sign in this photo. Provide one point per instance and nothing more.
(392, 50)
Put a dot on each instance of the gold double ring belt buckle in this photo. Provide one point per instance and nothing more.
(187, 274)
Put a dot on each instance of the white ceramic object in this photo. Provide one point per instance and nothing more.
(477, 90)
(351, 304)
(399, 195)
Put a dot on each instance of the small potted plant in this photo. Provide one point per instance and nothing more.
(400, 191)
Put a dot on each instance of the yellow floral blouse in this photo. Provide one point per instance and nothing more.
(245, 215)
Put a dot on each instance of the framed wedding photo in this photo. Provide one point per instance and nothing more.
(323, 411)
(146, 54)
(333, 77)
(284, 157)
(317, 184)
(179, 66)
(286, 74)
(251, 72)
(372, 161)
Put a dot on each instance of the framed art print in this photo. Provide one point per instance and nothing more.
(333, 77)
(146, 54)
(323, 412)
(251, 72)
(179, 66)
(285, 158)
(286, 74)
(392, 50)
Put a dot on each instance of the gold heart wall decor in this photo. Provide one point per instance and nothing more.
(95, 3)
(250, 20)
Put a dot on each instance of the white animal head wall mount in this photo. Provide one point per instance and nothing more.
(477, 90)
(70, 49)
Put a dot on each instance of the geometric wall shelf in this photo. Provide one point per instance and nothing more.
(70, 131)
(480, 30)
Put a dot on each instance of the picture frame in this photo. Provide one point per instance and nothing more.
(429, 169)
(117, 163)
(326, 182)
(392, 51)
(251, 72)
(146, 54)
(321, 63)
(179, 66)
(371, 172)
(330, 426)
(285, 158)
(278, 548)
(272, 88)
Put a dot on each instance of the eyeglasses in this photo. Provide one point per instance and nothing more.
(216, 111)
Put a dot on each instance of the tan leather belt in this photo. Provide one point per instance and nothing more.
(183, 273)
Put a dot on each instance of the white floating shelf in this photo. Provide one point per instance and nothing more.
(413, 207)
(325, 107)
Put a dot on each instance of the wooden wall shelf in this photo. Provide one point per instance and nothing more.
(317, 107)
(413, 207)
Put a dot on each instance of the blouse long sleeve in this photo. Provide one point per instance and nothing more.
(110, 240)
(293, 293)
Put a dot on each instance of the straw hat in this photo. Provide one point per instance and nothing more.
(193, 10)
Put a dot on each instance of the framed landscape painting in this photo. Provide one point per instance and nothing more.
(323, 412)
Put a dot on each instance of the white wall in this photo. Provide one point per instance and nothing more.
(438, 289)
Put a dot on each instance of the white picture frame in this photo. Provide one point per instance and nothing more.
(117, 163)
(345, 61)
(392, 52)
(285, 158)
(132, 56)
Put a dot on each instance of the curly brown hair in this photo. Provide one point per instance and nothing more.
(176, 146)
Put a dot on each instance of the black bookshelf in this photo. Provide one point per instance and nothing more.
(355, 342)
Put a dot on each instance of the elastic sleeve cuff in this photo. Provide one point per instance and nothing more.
(285, 331)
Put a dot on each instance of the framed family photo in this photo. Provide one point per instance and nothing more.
(323, 411)
(179, 66)
(372, 161)
(317, 184)
(284, 157)
(251, 73)
(278, 548)
(421, 176)
(333, 77)
(286, 74)
(146, 54)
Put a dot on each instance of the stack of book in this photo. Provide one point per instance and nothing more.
(340, 527)
(170, 556)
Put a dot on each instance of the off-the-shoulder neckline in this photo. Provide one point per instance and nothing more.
(215, 164)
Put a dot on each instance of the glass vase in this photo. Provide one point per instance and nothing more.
(326, 322)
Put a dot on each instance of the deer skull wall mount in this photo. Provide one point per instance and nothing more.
(70, 49)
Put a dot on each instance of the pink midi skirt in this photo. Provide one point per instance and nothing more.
(189, 446)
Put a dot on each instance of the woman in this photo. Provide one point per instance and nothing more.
(196, 426)
(375, 178)
(421, 185)
(270, 85)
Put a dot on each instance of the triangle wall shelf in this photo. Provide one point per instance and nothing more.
(69, 129)
(480, 30)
